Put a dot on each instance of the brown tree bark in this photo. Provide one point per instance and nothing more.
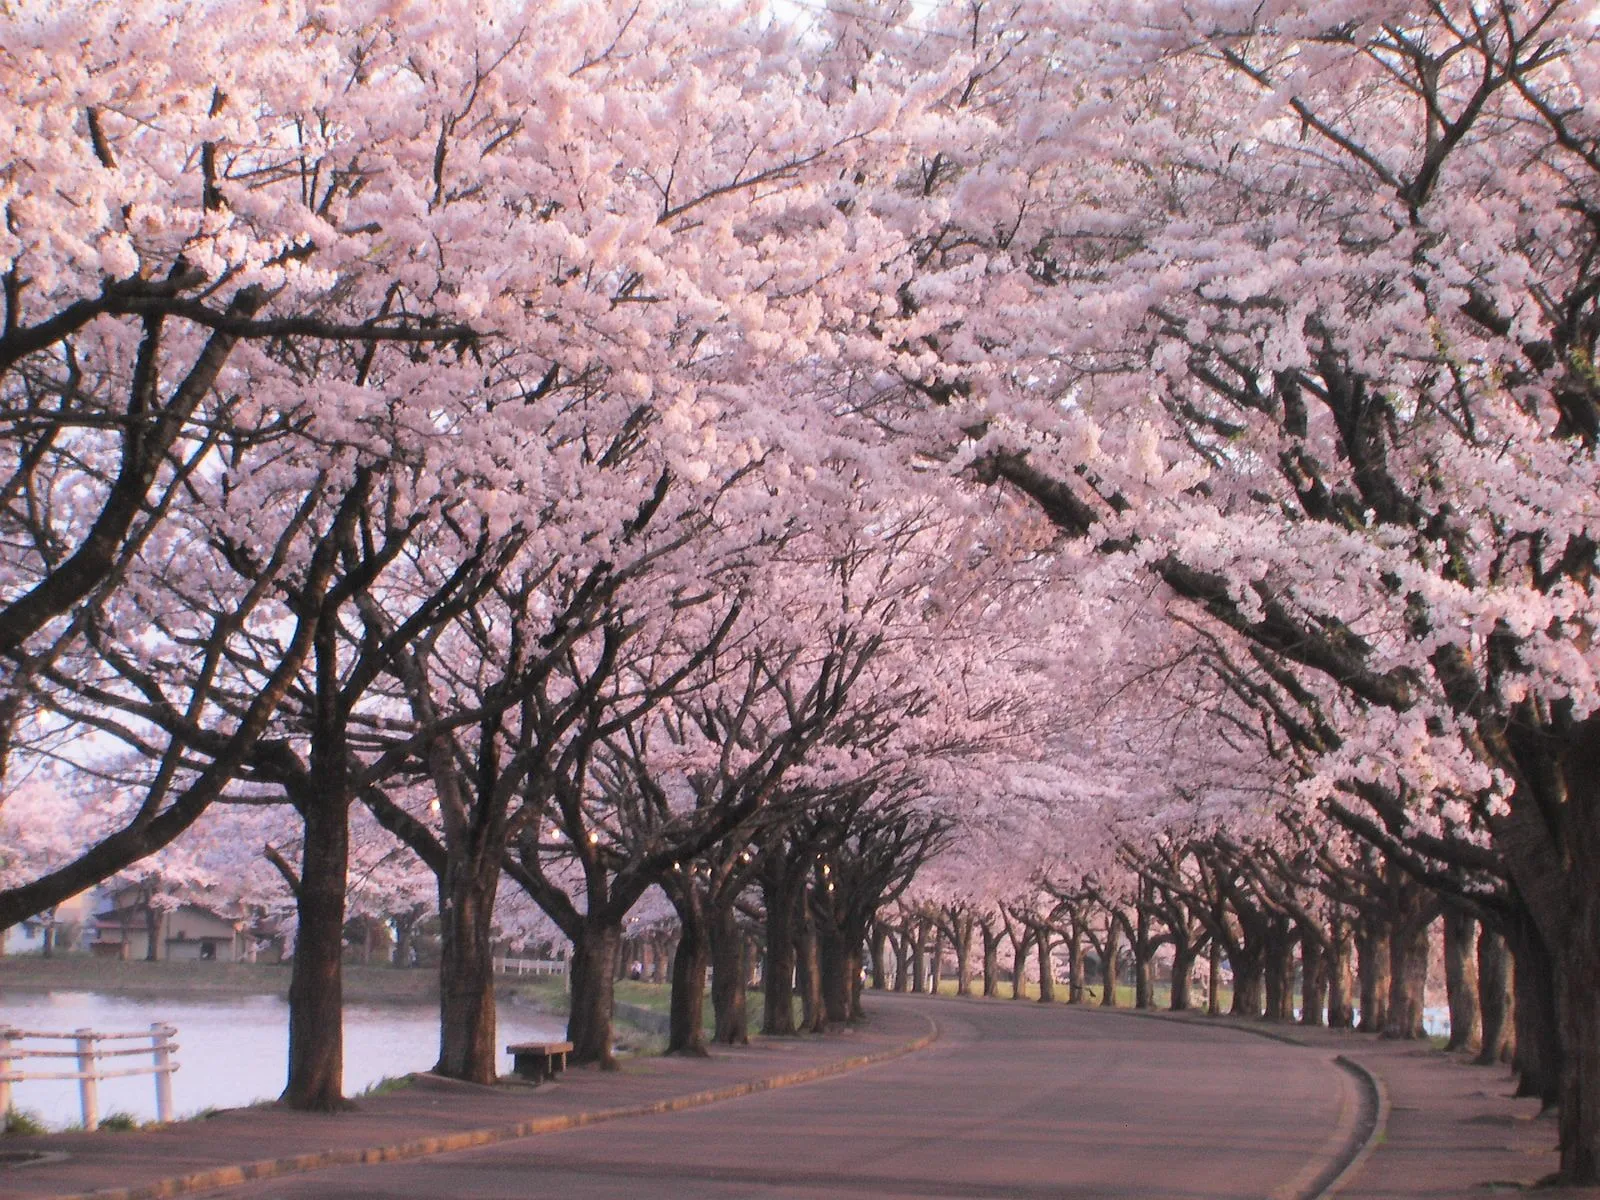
(730, 974)
(1313, 977)
(990, 934)
(1408, 979)
(1372, 969)
(1108, 964)
(592, 981)
(1494, 997)
(1340, 971)
(1461, 980)
(1047, 966)
(316, 979)
(467, 1044)
(687, 1011)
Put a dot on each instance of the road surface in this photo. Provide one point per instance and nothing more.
(1019, 1100)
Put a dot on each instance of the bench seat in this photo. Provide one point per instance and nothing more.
(538, 1061)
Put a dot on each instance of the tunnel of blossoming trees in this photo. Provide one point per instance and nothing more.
(817, 491)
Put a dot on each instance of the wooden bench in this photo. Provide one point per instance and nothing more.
(538, 1061)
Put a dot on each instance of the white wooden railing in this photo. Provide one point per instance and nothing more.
(506, 965)
(14, 1049)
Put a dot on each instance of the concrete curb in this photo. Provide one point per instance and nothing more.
(1376, 1111)
(269, 1168)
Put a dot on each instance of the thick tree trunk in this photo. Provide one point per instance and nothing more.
(778, 972)
(833, 968)
(1108, 965)
(1313, 977)
(1408, 980)
(1248, 997)
(730, 974)
(1461, 980)
(1580, 1041)
(903, 952)
(1538, 1032)
(592, 979)
(991, 957)
(1019, 966)
(963, 947)
(1143, 980)
(1372, 967)
(1341, 1012)
(935, 961)
(1494, 996)
(467, 1046)
(880, 938)
(316, 980)
(155, 921)
(1047, 967)
(1075, 980)
(687, 1013)
(1279, 970)
(808, 971)
(919, 958)
(1182, 974)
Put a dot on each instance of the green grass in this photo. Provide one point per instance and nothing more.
(119, 1122)
(387, 1085)
(23, 1123)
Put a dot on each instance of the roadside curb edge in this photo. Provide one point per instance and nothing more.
(216, 1178)
(1377, 1096)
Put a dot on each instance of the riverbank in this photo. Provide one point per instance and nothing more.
(197, 980)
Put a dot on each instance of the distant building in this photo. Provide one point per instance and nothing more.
(188, 932)
(67, 927)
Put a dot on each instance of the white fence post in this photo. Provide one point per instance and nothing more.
(88, 1088)
(5, 1068)
(161, 1049)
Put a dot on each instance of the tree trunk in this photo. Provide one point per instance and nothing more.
(1143, 981)
(903, 953)
(880, 938)
(1214, 978)
(1312, 977)
(919, 958)
(808, 969)
(155, 921)
(316, 980)
(1047, 967)
(1461, 980)
(1341, 1012)
(687, 1012)
(780, 894)
(1580, 1041)
(730, 973)
(592, 980)
(1408, 979)
(1182, 974)
(991, 957)
(1372, 966)
(833, 969)
(467, 1046)
(1075, 973)
(1538, 1033)
(1279, 970)
(1108, 965)
(1246, 960)
(963, 945)
(935, 961)
(1494, 996)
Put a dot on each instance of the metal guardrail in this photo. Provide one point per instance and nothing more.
(88, 1053)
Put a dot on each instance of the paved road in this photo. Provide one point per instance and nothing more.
(1017, 1101)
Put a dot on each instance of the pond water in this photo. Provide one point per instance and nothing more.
(231, 1050)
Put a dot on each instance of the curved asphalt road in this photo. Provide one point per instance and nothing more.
(1015, 1100)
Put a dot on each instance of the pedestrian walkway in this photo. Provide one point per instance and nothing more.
(429, 1117)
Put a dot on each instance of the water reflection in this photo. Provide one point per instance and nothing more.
(232, 1050)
